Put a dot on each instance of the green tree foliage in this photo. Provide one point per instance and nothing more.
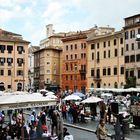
(130, 82)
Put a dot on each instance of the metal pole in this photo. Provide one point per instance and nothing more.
(23, 69)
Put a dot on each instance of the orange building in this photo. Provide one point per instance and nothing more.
(74, 62)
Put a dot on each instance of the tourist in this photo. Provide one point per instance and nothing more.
(101, 130)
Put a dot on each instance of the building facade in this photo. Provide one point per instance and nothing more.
(47, 67)
(13, 61)
(106, 61)
(74, 61)
(132, 47)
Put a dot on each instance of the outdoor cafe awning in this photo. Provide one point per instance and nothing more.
(18, 101)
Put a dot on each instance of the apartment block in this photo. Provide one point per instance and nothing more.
(132, 47)
(13, 61)
(106, 61)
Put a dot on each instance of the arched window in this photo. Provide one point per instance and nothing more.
(92, 85)
(2, 88)
(122, 85)
(104, 85)
(19, 86)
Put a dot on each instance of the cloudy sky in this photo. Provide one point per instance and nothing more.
(29, 17)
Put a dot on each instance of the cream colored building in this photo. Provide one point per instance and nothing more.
(106, 61)
(13, 61)
(47, 67)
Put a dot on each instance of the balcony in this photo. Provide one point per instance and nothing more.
(97, 78)
(82, 71)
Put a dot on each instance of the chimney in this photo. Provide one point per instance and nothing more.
(49, 30)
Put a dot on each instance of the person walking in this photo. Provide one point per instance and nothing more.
(101, 130)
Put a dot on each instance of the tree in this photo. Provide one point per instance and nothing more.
(130, 82)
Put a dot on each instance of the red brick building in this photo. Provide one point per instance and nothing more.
(74, 62)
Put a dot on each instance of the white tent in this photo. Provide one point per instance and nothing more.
(49, 93)
(72, 97)
(92, 99)
(15, 101)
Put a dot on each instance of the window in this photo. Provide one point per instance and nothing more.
(132, 46)
(109, 71)
(48, 63)
(75, 46)
(126, 74)
(20, 61)
(121, 40)
(82, 46)
(2, 61)
(132, 58)
(127, 47)
(67, 68)
(85, 45)
(75, 56)
(71, 56)
(92, 56)
(132, 73)
(115, 71)
(71, 77)
(139, 45)
(132, 34)
(104, 44)
(9, 72)
(98, 56)
(71, 47)
(114, 42)
(19, 72)
(108, 53)
(122, 70)
(126, 35)
(138, 57)
(9, 61)
(9, 48)
(67, 57)
(138, 30)
(138, 74)
(126, 59)
(48, 71)
(104, 71)
(92, 46)
(121, 51)
(1, 72)
(9, 86)
(66, 47)
(82, 55)
(108, 43)
(67, 77)
(116, 52)
(104, 54)
(20, 49)
(98, 45)
(2, 48)
(92, 72)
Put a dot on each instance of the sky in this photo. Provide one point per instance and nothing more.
(30, 17)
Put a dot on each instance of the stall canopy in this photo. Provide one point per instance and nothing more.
(92, 99)
(72, 97)
(10, 101)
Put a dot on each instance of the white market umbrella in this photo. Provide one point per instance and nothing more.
(43, 90)
(51, 96)
(72, 97)
(79, 94)
(49, 93)
(92, 99)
